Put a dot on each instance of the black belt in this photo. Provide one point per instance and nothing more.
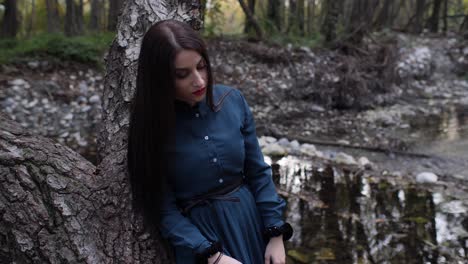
(219, 193)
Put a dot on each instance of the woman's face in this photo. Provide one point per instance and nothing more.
(190, 76)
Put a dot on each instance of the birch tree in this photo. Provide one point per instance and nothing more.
(57, 207)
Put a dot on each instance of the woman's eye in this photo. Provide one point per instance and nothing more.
(181, 75)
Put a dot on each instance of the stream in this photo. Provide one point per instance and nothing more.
(341, 216)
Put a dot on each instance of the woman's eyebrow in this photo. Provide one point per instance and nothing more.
(201, 59)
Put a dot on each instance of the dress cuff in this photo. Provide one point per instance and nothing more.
(274, 231)
(206, 252)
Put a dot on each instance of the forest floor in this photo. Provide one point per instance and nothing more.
(416, 122)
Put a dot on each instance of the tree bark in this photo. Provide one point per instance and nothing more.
(97, 9)
(74, 18)
(57, 207)
(115, 7)
(10, 23)
(433, 22)
(53, 19)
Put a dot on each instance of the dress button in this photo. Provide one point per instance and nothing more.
(197, 115)
(220, 180)
(206, 138)
(215, 159)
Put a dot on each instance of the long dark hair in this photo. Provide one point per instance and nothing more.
(152, 117)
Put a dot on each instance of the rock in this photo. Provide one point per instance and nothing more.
(83, 87)
(238, 71)
(316, 108)
(426, 177)
(453, 207)
(284, 142)
(95, 99)
(308, 149)
(343, 158)
(295, 145)
(343, 142)
(18, 82)
(226, 69)
(270, 140)
(262, 142)
(274, 150)
(33, 64)
(365, 163)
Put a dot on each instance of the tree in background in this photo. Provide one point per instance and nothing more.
(416, 23)
(10, 23)
(274, 14)
(386, 15)
(333, 10)
(464, 27)
(115, 7)
(97, 15)
(433, 23)
(53, 18)
(362, 13)
(74, 18)
(248, 24)
(311, 9)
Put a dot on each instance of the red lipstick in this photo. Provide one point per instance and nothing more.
(199, 92)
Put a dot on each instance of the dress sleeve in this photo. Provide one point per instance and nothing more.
(179, 229)
(259, 175)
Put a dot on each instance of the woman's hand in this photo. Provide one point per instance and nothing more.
(224, 259)
(275, 253)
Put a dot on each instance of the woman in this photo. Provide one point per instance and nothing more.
(195, 166)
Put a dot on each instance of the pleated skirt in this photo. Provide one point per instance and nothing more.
(237, 224)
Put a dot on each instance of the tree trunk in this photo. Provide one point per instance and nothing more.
(433, 22)
(333, 10)
(53, 19)
(32, 18)
(252, 19)
(97, 8)
(362, 14)
(445, 16)
(292, 19)
(464, 27)
(384, 18)
(10, 23)
(418, 20)
(273, 14)
(74, 18)
(115, 7)
(311, 6)
(57, 207)
(300, 16)
(248, 24)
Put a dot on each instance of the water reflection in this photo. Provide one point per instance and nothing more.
(350, 217)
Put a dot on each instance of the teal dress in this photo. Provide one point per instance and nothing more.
(215, 148)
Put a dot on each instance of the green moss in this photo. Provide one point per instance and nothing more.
(87, 49)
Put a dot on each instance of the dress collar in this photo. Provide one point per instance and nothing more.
(200, 107)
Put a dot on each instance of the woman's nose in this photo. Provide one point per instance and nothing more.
(198, 80)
